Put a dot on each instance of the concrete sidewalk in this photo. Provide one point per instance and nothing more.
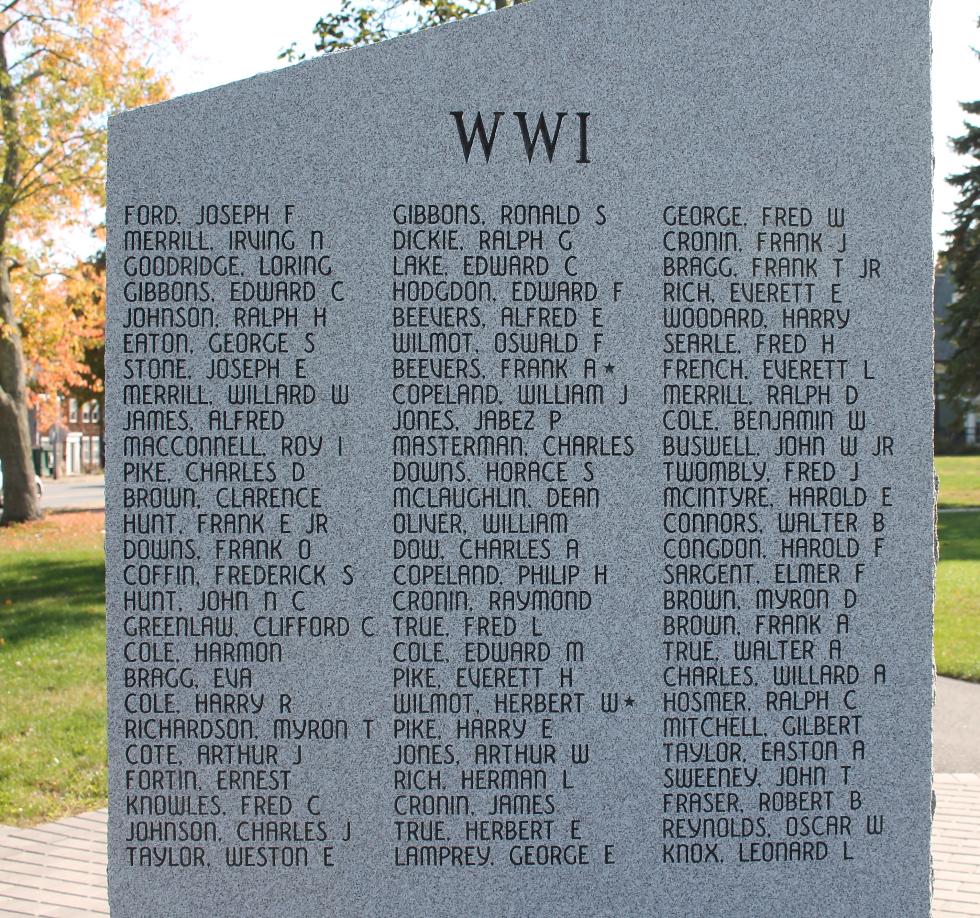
(58, 870)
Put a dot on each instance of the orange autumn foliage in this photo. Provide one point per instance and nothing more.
(61, 317)
(67, 64)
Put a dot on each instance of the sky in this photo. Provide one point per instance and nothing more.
(955, 79)
(228, 40)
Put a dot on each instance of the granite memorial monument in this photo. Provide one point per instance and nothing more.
(519, 473)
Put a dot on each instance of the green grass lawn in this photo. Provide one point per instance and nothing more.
(52, 668)
(959, 481)
(958, 595)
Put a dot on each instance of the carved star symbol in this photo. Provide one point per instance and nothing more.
(610, 367)
(629, 701)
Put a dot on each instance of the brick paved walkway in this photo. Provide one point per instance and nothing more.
(58, 870)
(956, 846)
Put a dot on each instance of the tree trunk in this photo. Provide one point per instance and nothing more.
(20, 500)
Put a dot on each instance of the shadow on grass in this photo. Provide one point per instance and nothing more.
(959, 536)
(48, 598)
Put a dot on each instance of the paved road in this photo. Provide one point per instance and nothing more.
(79, 492)
(956, 743)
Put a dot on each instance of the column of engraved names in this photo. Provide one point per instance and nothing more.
(769, 535)
(224, 531)
(497, 325)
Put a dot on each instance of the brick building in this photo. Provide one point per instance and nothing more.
(77, 438)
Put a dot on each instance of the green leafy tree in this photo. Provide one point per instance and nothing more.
(961, 379)
(356, 24)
